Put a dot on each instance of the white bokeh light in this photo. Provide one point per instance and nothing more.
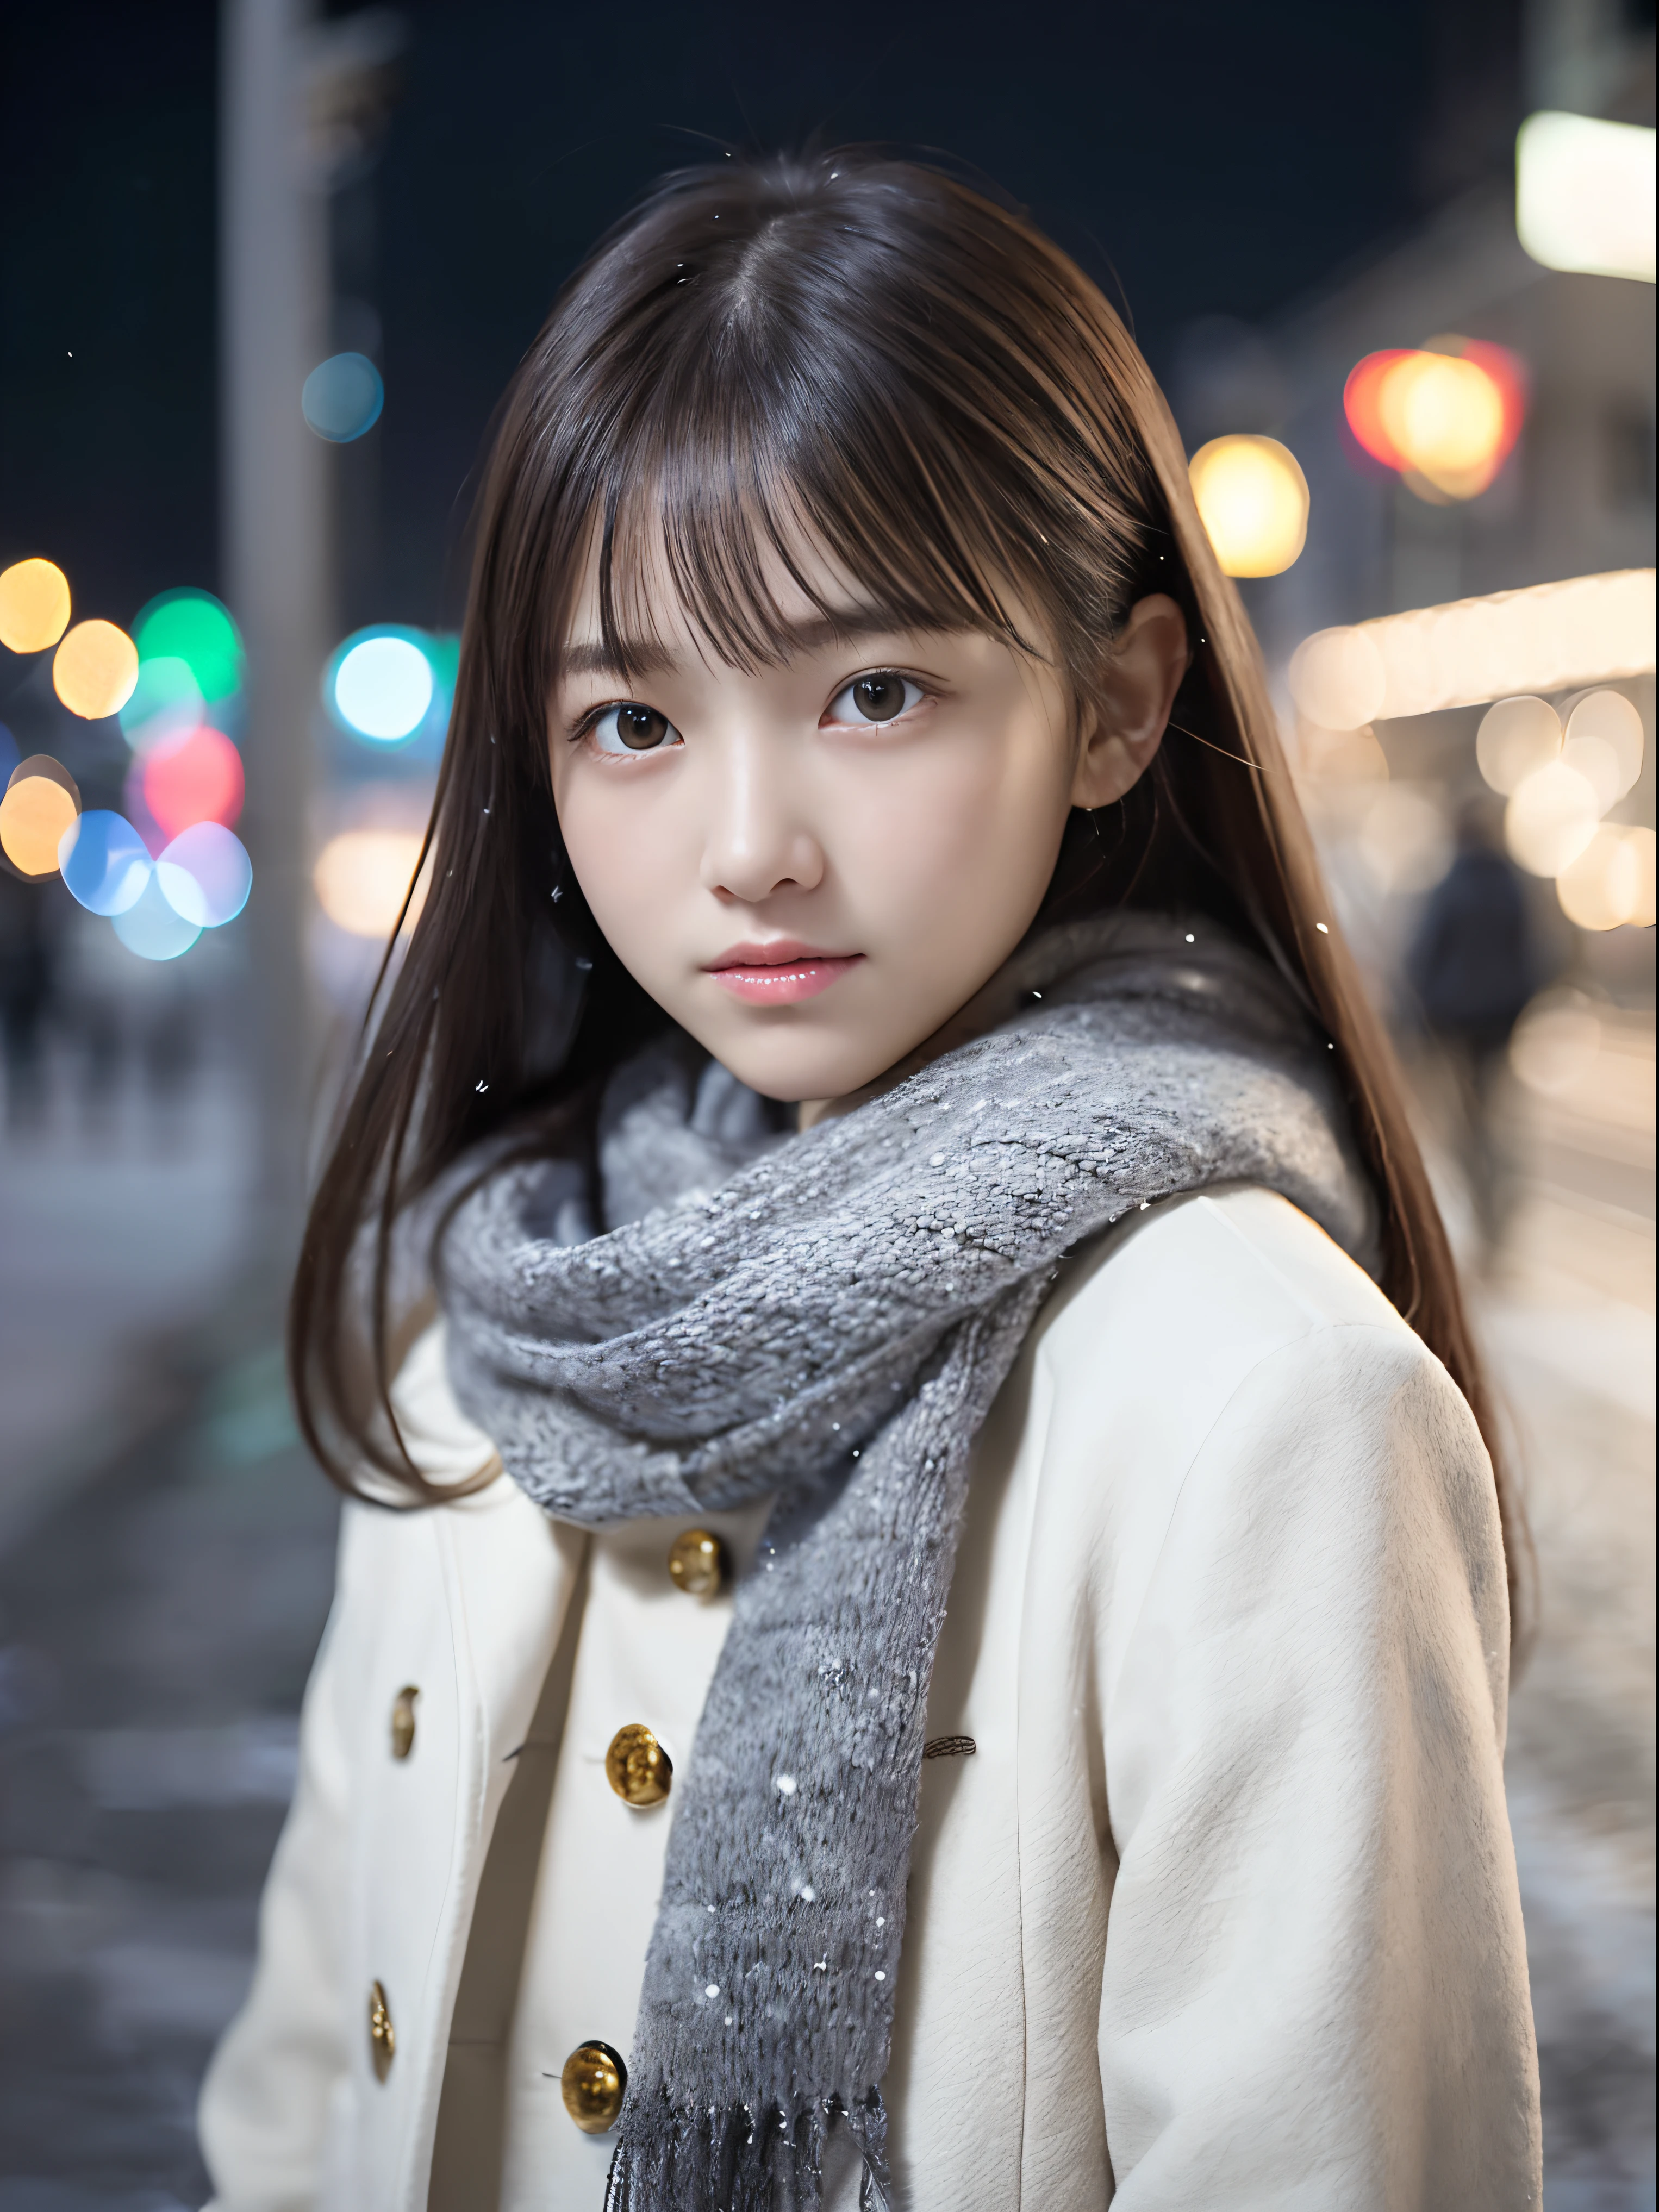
(383, 687)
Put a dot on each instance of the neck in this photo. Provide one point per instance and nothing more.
(1031, 964)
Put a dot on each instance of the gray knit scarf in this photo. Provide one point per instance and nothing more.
(828, 1316)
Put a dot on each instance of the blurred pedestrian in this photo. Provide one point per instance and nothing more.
(1472, 967)
(26, 974)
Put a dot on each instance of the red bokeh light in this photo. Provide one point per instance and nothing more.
(1510, 378)
(1365, 404)
(194, 777)
(1362, 402)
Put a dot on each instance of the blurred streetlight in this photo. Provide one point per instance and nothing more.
(40, 806)
(380, 684)
(1543, 638)
(1253, 499)
(362, 877)
(1585, 195)
(1446, 414)
(34, 605)
(1610, 885)
(95, 670)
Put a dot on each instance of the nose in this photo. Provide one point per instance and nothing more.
(758, 841)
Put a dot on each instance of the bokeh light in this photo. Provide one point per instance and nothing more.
(1611, 883)
(1645, 908)
(1544, 638)
(1338, 679)
(194, 777)
(34, 605)
(166, 700)
(362, 876)
(41, 802)
(195, 627)
(104, 861)
(1550, 819)
(95, 670)
(154, 928)
(53, 770)
(342, 397)
(1585, 195)
(1445, 416)
(1608, 719)
(206, 875)
(380, 684)
(1253, 499)
(1515, 737)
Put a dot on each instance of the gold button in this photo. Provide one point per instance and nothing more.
(592, 2085)
(637, 1767)
(697, 1562)
(403, 1721)
(382, 2036)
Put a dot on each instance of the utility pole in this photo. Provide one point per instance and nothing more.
(276, 547)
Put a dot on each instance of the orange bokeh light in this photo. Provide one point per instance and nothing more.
(1446, 416)
(95, 670)
(34, 814)
(34, 605)
(196, 776)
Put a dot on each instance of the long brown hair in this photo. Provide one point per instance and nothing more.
(868, 353)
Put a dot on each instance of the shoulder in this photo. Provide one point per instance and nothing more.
(1226, 1332)
(1198, 1291)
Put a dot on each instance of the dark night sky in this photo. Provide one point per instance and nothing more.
(1197, 156)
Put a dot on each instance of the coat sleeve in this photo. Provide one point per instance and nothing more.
(1314, 1990)
(272, 2089)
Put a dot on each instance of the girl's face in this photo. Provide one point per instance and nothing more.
(813, 867)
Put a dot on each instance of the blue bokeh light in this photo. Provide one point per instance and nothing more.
(342, 397)
(154, 929)
(380, 684)
(104, 861)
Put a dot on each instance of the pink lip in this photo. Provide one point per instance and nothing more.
(782, 974)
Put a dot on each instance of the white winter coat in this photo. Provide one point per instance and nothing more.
(1221, 1911)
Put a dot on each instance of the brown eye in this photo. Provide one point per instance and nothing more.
(878, 697)
(633, 728)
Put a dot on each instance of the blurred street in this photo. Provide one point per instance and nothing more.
(157, 1623)
(1569, 1322)
(121, 1217)
(165, 1561)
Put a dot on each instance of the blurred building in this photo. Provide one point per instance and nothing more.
(1574, 498)
(1540, 1141)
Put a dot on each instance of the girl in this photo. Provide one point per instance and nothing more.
(884, 1120)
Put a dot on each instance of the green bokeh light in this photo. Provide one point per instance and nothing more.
(194, 628)
(444, 652)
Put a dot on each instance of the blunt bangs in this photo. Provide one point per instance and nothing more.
(797, 380)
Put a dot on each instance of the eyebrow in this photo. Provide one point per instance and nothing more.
(639, 657)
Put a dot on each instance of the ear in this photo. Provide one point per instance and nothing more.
(1125, 721)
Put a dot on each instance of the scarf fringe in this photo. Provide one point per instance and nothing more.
(727, 2161)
